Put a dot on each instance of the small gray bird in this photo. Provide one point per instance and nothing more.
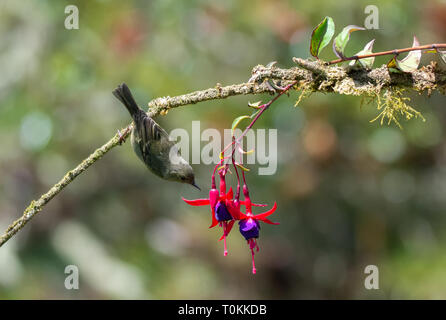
(152, 144)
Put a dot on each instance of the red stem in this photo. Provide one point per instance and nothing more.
(394, 52)
(237, 195)
(264, 107)
(236, 142)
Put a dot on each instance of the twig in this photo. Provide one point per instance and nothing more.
(394, 52)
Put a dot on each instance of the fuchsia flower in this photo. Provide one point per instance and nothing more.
(217, 201)
(226, 210)
(250, 224)
(215, 197)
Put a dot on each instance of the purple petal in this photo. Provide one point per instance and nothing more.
(221, 212)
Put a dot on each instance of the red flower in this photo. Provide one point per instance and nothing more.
(233, 206)
(213, 199)
(250, 224)
(218, 201)
(226, 210)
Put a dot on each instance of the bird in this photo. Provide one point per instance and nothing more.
(152, 145)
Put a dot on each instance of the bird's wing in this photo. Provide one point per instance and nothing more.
(150, 131)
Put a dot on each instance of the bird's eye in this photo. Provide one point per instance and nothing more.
(183, 178)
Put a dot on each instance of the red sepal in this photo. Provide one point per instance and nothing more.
(230, 194)
(262, 216)
(197, 202)
(266, 220)
(214, 219)
(254, 204)
(228, 229)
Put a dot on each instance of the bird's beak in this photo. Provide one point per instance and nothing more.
(193, 183)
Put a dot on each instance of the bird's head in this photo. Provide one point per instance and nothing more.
(183, 173)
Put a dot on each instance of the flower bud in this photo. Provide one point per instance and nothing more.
(213, 197)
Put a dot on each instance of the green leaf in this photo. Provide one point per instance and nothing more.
(241, 167)
(442, 55)
(236, 122)
(245, 152)
(321, 36)
(341, 39)
(410, 62)
(366, 62)
(392, 63)
(255, 105)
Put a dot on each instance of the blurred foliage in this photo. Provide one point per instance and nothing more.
(349, 193)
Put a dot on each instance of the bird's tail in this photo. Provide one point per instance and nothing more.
(122, 92)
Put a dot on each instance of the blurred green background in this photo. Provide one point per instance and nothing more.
(350, 193)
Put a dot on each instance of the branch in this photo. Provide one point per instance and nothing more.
(314, 75)
(162, 105)
(157, 106)
(322, 77)
(36, 206)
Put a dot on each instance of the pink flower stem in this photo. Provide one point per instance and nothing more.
(237, 194)
(225, 252)
(253, 262)
(252, 245)
(214, 186)
(245, 186)
(264, 107)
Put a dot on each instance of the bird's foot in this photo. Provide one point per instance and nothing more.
(123, 135)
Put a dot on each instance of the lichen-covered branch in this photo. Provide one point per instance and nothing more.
(36, 206)
(162, 105)
(313, 76)
(324, 78)
(157, 106)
